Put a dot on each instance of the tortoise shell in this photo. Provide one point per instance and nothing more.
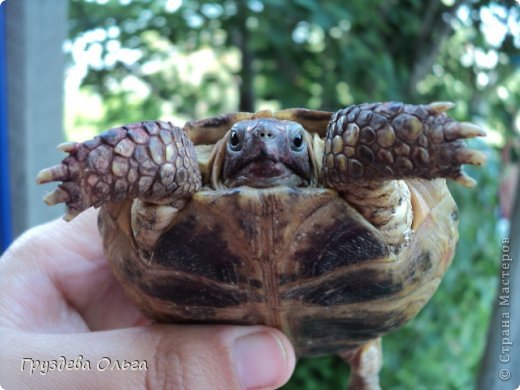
(335, 228)
(299, 259)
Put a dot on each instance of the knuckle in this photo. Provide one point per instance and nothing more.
(191, 364)
(167, 368)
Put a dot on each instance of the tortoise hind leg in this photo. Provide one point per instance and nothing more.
(365, 364)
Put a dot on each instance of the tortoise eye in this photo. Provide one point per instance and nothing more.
(297, 141)
(234, 141)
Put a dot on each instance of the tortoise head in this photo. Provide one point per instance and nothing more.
(267, 152)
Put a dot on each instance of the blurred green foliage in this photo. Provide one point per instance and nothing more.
(190, 59)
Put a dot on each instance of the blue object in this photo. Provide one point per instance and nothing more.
(5, 196)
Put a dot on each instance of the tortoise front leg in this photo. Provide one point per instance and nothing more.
(365, 364)
(153, 162)
(369, 146)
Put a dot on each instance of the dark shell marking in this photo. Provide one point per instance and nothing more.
(347, 243)
(238, 256)
(190, 252)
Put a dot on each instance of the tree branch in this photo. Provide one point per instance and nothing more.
(434, 29)
(241, 40)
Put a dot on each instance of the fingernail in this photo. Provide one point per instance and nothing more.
(260, 360)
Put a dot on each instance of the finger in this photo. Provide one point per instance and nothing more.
(57, 276)
(51, 239)
(175, 357)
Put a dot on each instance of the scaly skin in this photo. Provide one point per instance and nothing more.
(154, 161)
(370, 142)
(370, 147)
(365, 364)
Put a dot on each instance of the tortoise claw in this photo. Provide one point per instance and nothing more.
(55, 197)
(465, 180)
(58, 172)
(70, 215)
(68, 147)
(470, 130)
(440, 107)
(468, 156)
(456, 130)
(473, 157)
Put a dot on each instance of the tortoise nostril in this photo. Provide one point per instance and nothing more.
(266, 134)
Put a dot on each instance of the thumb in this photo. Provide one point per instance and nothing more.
(159, 356)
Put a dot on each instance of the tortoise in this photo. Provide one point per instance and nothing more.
(335, 228)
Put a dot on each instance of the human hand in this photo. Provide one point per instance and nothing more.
(60, 302)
